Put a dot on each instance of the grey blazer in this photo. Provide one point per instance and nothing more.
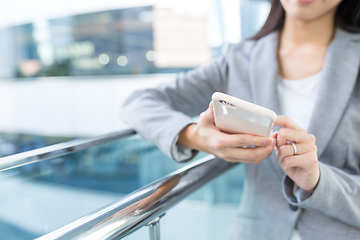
(248, 70)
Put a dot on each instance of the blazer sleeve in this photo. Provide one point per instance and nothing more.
(159, 114)
(336, 195)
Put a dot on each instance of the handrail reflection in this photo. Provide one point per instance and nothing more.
(57, 150)
(134, 211)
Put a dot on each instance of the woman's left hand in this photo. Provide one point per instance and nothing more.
(302, 167)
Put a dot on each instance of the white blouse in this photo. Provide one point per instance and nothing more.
(297, 98)
(297, 101)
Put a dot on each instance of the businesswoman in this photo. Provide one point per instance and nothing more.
(304, 65)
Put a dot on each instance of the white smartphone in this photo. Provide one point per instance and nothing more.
(233, 115)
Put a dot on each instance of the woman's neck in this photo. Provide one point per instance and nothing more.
(319, 31)
(303, 46)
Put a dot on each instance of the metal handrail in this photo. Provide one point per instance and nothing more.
(57, 150)
(137, 209)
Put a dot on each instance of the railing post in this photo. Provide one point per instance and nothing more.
(154, 228)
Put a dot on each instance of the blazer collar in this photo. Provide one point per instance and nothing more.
(263, 76)
(340, 72)
(263, 72)
(340, 69)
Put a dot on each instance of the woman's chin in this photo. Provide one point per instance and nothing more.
(306, 2)
(304, 16)
(308, 10)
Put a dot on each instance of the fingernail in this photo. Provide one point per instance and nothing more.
(266, 141)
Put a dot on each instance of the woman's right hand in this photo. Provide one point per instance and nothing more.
(206, 137)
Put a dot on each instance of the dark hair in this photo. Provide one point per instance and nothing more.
(347, 17)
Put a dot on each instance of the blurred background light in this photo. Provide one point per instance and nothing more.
(146, 16)
(104, 59)
(122, 61)
(151, 56)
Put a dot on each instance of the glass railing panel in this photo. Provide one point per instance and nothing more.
(41, 197)
(12, 143)
(207, 214)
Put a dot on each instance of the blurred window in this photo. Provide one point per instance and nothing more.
(138, 40)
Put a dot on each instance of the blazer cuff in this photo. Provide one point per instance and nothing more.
(181, 153)
(305, 199)
(178, 152)
(293, 194)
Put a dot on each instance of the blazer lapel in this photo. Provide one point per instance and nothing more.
(340, 71)
(263, 75)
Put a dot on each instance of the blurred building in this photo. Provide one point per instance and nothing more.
(136, 40)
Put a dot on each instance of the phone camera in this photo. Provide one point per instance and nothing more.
(223, 102)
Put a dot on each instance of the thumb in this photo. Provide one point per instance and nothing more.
(211, 106)
(207, 117)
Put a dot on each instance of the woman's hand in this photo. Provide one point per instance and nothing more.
(302, 167)
(206, 137)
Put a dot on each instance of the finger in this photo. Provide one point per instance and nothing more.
(305, 161)
(274, 142)
(247, 155)
(239, 140)
(290, 135)
(287, 123)
(274, 134)
(211, 106)
(276, 151)
(207, 117)
(288, 150)
(274, 137)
